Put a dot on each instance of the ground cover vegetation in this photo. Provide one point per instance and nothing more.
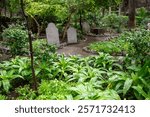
(74, 77)
(119, 71)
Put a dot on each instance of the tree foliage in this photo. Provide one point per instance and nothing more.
(107, 3)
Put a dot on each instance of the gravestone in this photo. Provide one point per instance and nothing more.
(72, 35)
(148, 26)
(85, 27)
(52, 34)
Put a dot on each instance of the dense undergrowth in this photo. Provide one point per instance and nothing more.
(73, 77)
(134, 43)
(97, 77)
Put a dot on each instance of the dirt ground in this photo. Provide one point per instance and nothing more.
(77, 49)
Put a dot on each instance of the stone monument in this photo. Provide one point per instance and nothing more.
(72, 35)
(52, 34)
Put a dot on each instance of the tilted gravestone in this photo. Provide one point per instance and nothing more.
(85, 27)
(72, 35)
(52, 34)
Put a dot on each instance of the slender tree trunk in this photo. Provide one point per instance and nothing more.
(109, 11)
(81, 21)
(34, 80)
(119, 10)
(37, 24)
(5, 12)
(103, 12)
(131, 22)
(0, 11)
(66, 27)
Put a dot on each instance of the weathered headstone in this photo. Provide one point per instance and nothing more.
(52, 34)
(85, 27)
(72, 35)
(148, 26)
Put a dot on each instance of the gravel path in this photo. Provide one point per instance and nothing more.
(77, 49)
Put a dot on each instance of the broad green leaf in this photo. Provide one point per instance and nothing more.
(6, 85)
(140, 90)
(118, 86)
(17, 76)
(127, 85)
(134, 68)
(108, 95)
(37, 71)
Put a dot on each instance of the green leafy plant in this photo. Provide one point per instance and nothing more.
(20, 65)
(2, 97)
(40, 46)
(114, 47)
(54, 90)
(115, 21)
(25, 93)
(130, 85)
(15, 38)
(139, 43)
(74, 77)
(61, 68)
(43, 71)
(5, 79)
(142, 13)
(86, 91)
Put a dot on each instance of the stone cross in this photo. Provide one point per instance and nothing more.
(72, 35)
(52, 34)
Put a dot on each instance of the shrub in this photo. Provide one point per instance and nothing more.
(54, 89)
(15, 38)
(115, 21)
(2, 97)
(139, 43)
(142, 14)
(116, 46)
(144, 22)
(25, 93)
(6, 78)
(41, 47)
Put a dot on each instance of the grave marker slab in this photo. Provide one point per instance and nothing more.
(85, 27)
(52, 34)
(72, 35)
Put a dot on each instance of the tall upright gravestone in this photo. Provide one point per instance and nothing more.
(85, 27)
(52, 34)
(72, 35)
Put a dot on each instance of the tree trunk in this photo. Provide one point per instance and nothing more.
(132, 12)
(5, 12)
(38, 26)
(119, 10)
(66, 27)
(34, 80)
(109, 11)
(103, 12)
(81, 21)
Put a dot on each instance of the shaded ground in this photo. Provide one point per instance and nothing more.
(77, 49)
